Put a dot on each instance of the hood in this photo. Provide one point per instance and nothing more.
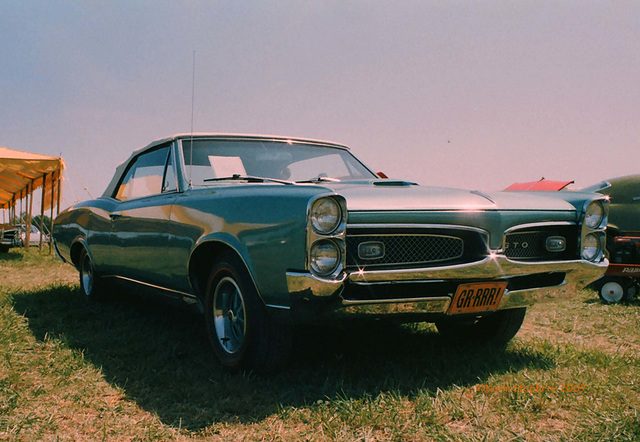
(401, 196)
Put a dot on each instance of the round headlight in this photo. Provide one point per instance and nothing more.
(325, 215)
(594, 215)
(591, 247)
(324, 257)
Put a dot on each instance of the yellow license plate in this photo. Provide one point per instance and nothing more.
(477, 297)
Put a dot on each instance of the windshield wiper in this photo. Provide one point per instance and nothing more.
(320, 179)
(249, 178)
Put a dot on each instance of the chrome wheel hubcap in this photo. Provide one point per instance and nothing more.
(87, 275)
(229, 315)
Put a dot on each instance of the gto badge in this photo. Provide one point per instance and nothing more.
(516, 245)
(556, 244)
(371, 250)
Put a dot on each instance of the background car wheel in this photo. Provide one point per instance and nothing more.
(613, 290)
(496, 329)
(4, 249)
(91, 285)
(632, 290)
(239, 329)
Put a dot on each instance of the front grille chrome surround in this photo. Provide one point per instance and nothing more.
(530, 243)
(406, 249)
(414, 247)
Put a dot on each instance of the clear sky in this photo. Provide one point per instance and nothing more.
(474, 94)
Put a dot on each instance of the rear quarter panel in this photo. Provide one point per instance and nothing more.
(88, 223)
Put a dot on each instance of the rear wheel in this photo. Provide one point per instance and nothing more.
(496, 329)
(239, 329)
(91, 284)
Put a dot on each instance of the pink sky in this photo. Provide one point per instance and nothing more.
(455, 93)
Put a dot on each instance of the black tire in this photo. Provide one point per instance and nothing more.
(4, 249)
(496, 329)
(92, 286)
(612, 290)
(241, 333)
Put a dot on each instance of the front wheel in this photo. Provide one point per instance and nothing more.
(496, 329)
(243, 336)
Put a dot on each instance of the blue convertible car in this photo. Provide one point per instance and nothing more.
(262, 233)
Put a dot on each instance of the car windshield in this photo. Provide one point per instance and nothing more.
(276, 160)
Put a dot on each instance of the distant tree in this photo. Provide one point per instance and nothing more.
(38, 222)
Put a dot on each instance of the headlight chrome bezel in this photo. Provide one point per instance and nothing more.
(594, 214)
(594, 223)
(318, 211)
(593, 242)
(324, 233)
(320, 248)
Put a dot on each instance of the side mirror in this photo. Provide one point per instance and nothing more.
(382, 175)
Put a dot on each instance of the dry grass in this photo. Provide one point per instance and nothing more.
(138, 370)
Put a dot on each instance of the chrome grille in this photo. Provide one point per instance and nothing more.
(9, 234)
(531, 245)
(406, 249)
(525, 245)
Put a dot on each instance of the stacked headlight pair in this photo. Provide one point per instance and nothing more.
(327, 223)
(593, 230)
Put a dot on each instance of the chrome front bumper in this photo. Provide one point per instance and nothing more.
(495, 267)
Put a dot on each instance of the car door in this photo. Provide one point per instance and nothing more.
(141, 231)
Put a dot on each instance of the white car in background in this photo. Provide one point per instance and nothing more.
(34, 237)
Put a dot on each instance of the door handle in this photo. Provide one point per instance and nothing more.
(115, 215)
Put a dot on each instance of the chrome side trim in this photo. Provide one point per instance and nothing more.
(156, 287)
(280, 307)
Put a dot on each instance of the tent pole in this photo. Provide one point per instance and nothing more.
(27, 221)
(44, 186)
(30, 217)
(53, 181)
(59, 189)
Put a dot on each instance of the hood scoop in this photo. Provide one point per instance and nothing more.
(393, 183)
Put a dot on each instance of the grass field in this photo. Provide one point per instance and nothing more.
(137, 370)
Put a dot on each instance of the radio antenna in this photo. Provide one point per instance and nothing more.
(193, 99)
